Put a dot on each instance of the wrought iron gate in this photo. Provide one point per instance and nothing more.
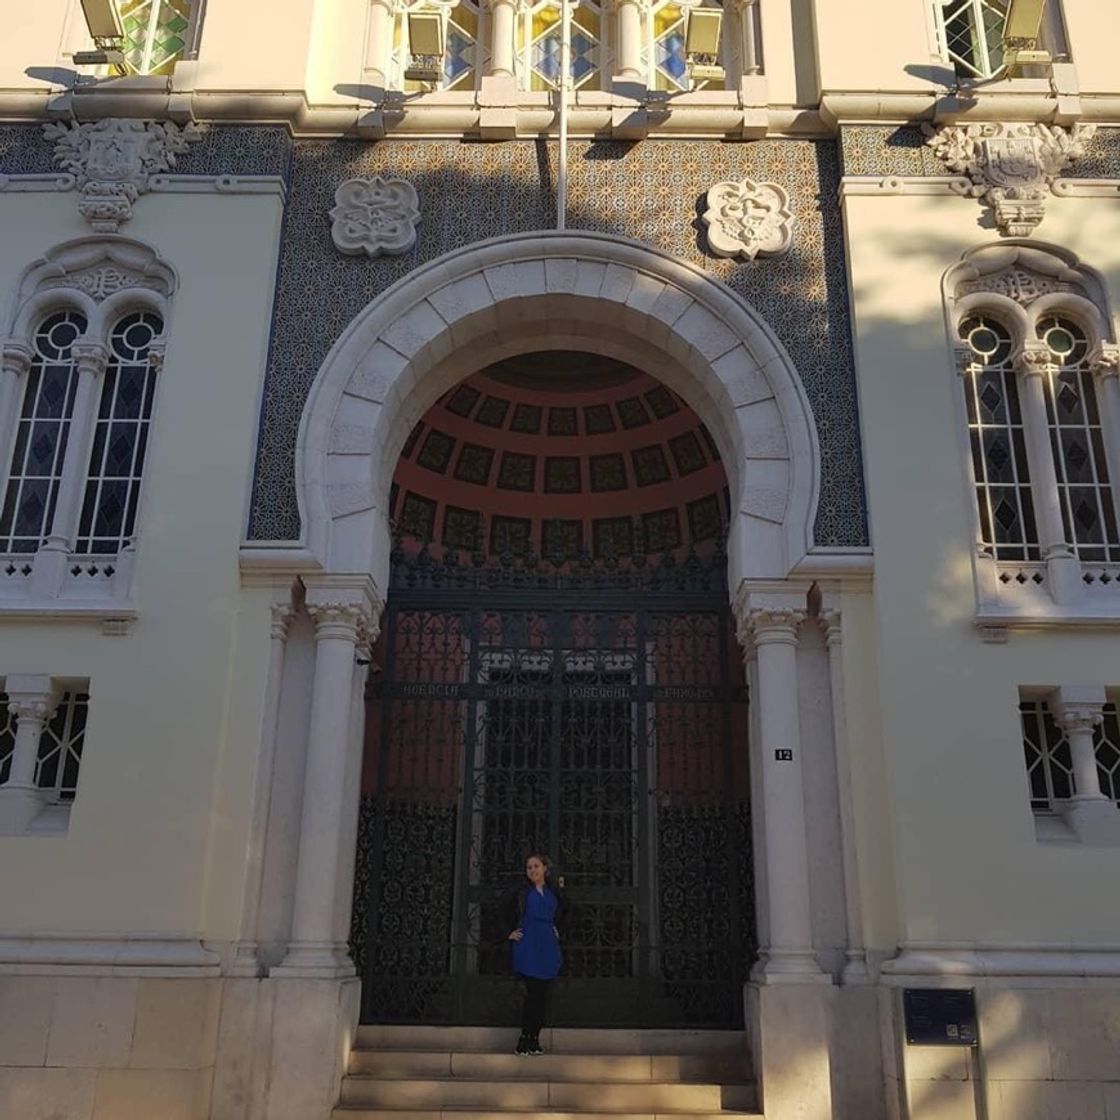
(597, 715)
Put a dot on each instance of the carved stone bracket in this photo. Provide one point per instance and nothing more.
(1012, 166)
(748, 219)
(112, 161)
(375, 216)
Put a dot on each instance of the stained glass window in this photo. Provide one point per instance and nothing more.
(540, 43)
(42, 432)
(665, 54)
(156, 34)
(465, 29)
(997, 443)
(120, 437)
(1077, 444)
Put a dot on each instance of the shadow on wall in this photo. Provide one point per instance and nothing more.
(646, 192)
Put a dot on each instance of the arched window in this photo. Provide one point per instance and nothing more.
(42, 434)
(1077, 443)
(996, 439)
(120, 437)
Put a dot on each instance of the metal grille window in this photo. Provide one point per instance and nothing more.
(60, 748)
(1077, 444)
(1106, 741)
(42, 432)
(1049, 765)
(970, 35)
(120, 436)
(998, 447)
(7, 738)
(157, 33)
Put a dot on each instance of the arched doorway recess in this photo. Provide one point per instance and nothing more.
(557, 671)
(477, 306)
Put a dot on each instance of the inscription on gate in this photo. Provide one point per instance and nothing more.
(597, 716)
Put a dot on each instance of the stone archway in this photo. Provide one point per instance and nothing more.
(557, 290)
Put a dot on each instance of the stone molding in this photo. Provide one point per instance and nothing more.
(1105, 360)
(85, 954)
(1007, 962)
(113, 160)
(374, 216)
(1012, 167)
(15, 357)
(748, 219)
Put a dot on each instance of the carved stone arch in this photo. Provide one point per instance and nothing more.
(587, 291)
(1026, 272)
(99, 275)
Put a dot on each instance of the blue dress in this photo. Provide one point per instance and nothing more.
(537, 954)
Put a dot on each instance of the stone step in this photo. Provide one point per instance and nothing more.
(358, 1113)
(551, 1067)
(558, 1040)
(610, 1097)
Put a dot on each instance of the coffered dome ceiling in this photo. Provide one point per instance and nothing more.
(560, 452)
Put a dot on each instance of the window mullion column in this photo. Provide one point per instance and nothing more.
(32, 699)
(379, 43)
(1032, 365)
(1105, 365)
(50, 562)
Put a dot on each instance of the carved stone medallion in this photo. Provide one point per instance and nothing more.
(375, 216)
(748, 219)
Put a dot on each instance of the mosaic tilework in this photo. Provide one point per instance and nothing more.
(561, 537)
(662, 530)
(436, 452)
(418, 517)
(517, 471)
(686, 453)
(561, 475)
(608, 472)
(562, 422)
(526, 419)
(612, 536)
(462, 528)
(474, 464)
(632, 412)
(705, 521)
(649, 191)
(597, 419)
(891, 150)
(510, 534)
(492, 412)
(24, 150)
(650, 465)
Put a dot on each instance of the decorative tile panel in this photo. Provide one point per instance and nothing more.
(561, 475)
(510, 534)
(462, 400)
(562, 422)
(436, 452)
(632, 412)
(598, 419)
(474, 464)
(612, 536)
(561, 538)
(526, 419)
(462, 528)
(517, 471)
(492, 412)
(648, 191)
(650, 465)
(662, 530)
(608, 472)
(705, 521)
(661, 402)
(687, 453)
(417, 517)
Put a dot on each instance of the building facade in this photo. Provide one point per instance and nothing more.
(724, 500)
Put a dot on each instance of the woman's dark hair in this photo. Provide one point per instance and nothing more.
(543, 858)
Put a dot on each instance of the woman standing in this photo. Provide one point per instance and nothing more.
(536, 912)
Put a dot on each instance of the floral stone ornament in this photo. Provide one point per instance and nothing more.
(375, 216)
(112, 161)
(748, 219)
(1012, 166)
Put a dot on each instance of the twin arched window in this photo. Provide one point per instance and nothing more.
(81, 434)
(1043, 415)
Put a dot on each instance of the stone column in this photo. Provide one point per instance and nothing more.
(1078, 711)
(379, 43)
(1033, 364)
(789, 956)
(32, 699)
(855, 957)
(502, 22)
(15, 361)
(49, 565)
(628, 44)
(341, 616)
(245, 951)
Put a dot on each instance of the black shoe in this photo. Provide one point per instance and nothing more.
(524, 1044)
(535, 1045)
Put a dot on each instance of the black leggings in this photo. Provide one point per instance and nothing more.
(535, 1008)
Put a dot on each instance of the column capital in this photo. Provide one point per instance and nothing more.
(92, 356)
(32, 696)
(339, 618)
(832, 625)
(1077, 707)
(964, 359)
(281, 620)
(1105, 360)
(16, 357)
(1033, 360)
(765, 625)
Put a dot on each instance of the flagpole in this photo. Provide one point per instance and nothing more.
(565, 67)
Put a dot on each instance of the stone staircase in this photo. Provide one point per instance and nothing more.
(471, 1073)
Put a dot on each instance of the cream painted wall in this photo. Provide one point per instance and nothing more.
(31, 38)
(184, 688)
(968, 863)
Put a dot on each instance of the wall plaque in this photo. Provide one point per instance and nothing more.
(940, 1016)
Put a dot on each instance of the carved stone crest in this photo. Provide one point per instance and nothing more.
(1012, 166)
(112, 160)
(375, 216)
(748, 219)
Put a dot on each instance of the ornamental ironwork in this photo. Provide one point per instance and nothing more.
(596, 713)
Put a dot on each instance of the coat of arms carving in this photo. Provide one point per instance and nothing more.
(1012, 166)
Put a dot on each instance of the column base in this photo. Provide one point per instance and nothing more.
(1094, 820)
(855, 971)
(245, 964)
(19, 806)
(788, 966)
(314, 960)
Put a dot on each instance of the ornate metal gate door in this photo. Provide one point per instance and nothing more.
(596, 716)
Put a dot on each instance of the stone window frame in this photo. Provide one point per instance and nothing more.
(34, 798)
(104, 279)
(1020, 284)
